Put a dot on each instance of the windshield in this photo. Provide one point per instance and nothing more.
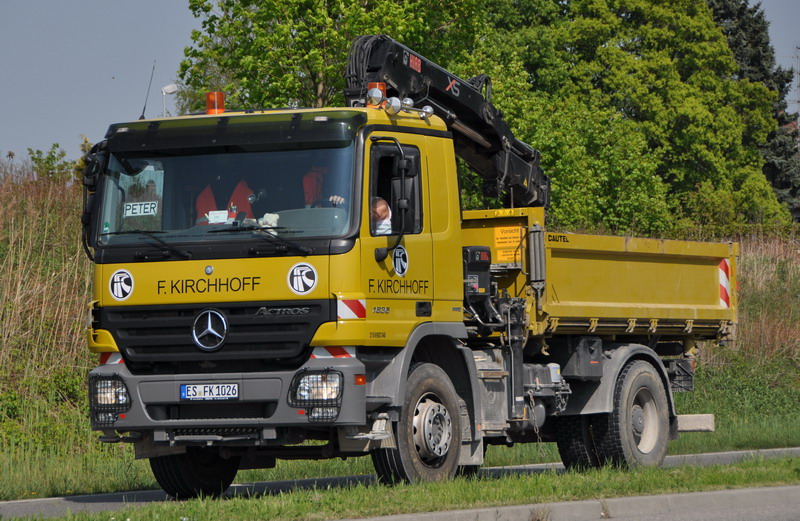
(196, 195)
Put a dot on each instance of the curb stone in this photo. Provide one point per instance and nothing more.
(577, 510)
(617, 507)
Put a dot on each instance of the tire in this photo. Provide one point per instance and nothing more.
(635, 433)
(575, 443)
(428, 433)
(198, 472)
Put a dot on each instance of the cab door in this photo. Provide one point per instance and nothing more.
(399, 287)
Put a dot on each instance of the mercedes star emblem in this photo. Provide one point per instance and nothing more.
(209, 330)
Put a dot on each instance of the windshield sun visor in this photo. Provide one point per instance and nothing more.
(244, 132)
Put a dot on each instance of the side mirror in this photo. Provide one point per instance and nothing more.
(96, 161)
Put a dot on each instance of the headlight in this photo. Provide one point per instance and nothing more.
(318, 388)
(108, 394)
(108, 399)
(319, 393)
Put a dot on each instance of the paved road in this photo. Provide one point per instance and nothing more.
(752, 504)
(759, 503)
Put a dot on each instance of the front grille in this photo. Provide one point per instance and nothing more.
(153, 335)
(213, 411)
(147, 353)
(225, 432)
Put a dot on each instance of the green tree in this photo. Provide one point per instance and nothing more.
(278, 53)
(80, 163)
(51, 164)
(602, 173)
(664, 66)
(747, 31)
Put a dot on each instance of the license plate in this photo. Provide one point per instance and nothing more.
(210, 391)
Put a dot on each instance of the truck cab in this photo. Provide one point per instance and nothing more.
(238, 271)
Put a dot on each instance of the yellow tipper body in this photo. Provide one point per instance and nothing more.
(614, 285)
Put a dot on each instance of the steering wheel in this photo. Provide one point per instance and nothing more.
(325, 202)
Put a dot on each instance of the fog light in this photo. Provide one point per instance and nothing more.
(323, 413)
(319, 388)
(105, 418)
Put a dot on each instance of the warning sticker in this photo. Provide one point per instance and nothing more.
(507, 244)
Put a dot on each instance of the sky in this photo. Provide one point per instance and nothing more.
(69, 68)
(73, 67)
(783, 16)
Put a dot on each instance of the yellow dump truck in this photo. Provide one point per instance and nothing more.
(269, 278)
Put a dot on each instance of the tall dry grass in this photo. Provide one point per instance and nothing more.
(44, 284)
(769, 310)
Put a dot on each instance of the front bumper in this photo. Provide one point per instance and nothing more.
(260, 412)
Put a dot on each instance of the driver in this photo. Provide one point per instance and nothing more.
(313, 181)
(209, 211)
(380, 216)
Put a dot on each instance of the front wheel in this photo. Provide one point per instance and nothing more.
(197, 472)
(428, 434)
(635, 433)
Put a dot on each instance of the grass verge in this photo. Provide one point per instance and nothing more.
(46, 448)
(511, 489)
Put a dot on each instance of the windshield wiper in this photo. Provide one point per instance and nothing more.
(160, 242)
(303, 250)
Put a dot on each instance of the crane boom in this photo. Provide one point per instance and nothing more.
(481, 135)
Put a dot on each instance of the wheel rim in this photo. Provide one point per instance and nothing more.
(644, 421)
(432, 429)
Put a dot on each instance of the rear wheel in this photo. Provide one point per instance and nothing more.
(575, 442)
(635, 433)
(428, 434)
(197, 472)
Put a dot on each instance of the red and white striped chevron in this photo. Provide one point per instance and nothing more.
(724, 284)
(111, 358)
(351, 308)
(333, 352)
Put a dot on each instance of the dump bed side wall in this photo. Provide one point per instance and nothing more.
(611, 285)
(628, 277)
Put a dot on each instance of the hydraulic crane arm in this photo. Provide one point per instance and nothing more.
(481, 135)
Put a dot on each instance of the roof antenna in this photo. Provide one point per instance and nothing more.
(148, 89)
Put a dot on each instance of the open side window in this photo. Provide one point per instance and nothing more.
(386, 190)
